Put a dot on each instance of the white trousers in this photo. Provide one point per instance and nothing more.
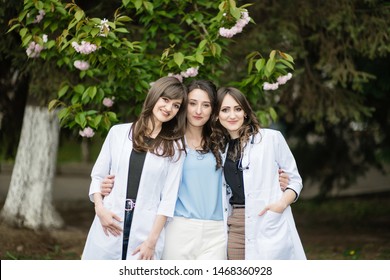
(193, 239)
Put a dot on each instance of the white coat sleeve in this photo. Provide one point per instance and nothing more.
(101, 167)
(171, 186)
(287, 163)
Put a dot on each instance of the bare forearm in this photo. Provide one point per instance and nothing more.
(158, 225)
(98, 200)
(288, 197)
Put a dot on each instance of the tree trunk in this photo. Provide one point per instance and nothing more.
(29, 199)
(86, 150)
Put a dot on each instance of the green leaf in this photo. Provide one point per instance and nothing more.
(269, 67)
(272, 54)
(178, 58)
(287, 57)
(97, 120)
(125, 2)
(79, 15)
(79, 89)
(148, 6)
(202, 44)
(75, 99)
(91, 91)
(80, 119)
(22, 15)
(273, 114)
(122, 30)
(124, 19)
(13, 27)
(62, 114)
(23, 32)
(287, 63)
(38, 5)
(260, 64)
(138, 4)
(236, 13)
(250, 65)
(53, 104)
(61, 10)
(94, 31)
(62, 91)
(199, 58)
(26, 40)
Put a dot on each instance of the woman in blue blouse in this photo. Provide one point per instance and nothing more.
(197, 229)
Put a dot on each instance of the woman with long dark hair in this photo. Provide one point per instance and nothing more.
(145, 158)
(260, 222)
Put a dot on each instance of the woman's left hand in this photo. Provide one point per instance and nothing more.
(145, 250)
(277, 207)
(283, 179)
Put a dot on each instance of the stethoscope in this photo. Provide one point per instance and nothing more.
(240, 167)
(246, 167)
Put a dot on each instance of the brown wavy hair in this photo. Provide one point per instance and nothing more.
(220, 136)
(211, 90)
(172, 131)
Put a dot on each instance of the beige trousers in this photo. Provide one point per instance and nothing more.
(236, 234)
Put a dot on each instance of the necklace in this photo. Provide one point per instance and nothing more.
(197, 153)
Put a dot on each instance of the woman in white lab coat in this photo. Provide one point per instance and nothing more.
(260, 222)
(154, 139)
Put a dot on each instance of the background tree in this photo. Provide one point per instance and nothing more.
(334, 111)
(13, 82)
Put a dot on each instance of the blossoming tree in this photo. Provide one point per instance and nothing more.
(112, 60)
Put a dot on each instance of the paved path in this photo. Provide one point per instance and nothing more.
(72, 183)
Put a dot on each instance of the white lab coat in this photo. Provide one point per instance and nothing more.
(157, 195)
(273, 235)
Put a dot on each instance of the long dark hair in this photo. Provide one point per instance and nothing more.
(220, 136)
(171, 131)
(211, 90)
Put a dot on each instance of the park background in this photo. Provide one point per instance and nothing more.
(333, 112)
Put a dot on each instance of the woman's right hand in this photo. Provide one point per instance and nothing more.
(109, 221)
(107, 185)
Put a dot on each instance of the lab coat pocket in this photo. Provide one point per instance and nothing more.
(274, 240)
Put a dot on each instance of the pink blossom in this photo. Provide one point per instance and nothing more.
(87, 132)
(108, 102)
(81, 65)
(177, 76)
(190, 72)
(104, 27)
(84, 48)
(224, 32)
(34, 50)
(237, 28)
(268, 86)
(283, 79)
(39, 17)
(44, 38)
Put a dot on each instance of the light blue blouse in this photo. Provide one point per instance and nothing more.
(200, 190)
